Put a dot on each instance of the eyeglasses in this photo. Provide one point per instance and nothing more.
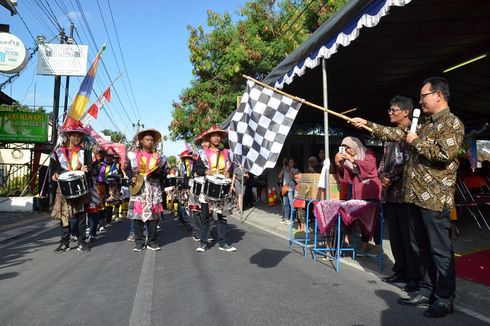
(393, 111)
(422, 96)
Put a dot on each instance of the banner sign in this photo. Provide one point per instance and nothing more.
(62, 59)
(23, 127)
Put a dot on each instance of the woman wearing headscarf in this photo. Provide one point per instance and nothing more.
(358, 173)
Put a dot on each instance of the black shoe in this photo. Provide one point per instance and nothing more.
(203, 248)
(394, 279)
(154, 247)
(83, 247)
(138, 249)
(62, 248)
(439, 309)
(418, 300)
(411, 286)
(227, 247)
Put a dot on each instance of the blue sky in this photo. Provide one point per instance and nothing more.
(153, 37)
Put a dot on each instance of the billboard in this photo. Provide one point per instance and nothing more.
(23, 127)
(62, 60)
(13, 54)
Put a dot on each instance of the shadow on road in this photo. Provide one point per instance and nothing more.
(268, 258)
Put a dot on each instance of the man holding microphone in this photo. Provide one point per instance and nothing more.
(429, 185)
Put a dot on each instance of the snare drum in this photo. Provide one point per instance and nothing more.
(196, 185)
(216, 187)
(113, 179)
(183, 183)
(73, 184)
(170, 181)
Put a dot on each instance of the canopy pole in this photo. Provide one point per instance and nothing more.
(325, 127)
(298, 99)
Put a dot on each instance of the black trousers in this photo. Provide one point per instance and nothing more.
(396, 215)
(431, 243)
(108, 214)
(206, 220)
(139, 237)
(79, 221)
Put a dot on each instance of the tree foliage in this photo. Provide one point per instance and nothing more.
(116, 136)
(264, 34)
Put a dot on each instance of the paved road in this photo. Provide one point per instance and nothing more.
(261, 284)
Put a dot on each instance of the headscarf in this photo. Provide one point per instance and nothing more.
(356, 145)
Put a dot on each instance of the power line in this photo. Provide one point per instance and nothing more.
(115, 57)
(122, 56)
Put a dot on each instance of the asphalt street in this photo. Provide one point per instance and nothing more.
(263, 283)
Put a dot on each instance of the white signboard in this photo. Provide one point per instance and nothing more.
(62, 59)
(13, 54)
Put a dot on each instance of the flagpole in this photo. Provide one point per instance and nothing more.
(298, 99)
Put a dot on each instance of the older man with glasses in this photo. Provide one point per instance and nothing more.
(395, 210)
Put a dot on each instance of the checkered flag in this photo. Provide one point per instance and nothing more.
(259, 127)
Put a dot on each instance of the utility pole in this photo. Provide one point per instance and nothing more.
(67, 83)
(56, 99)
(138, 125)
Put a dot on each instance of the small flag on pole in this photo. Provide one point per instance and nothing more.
(78, 106)
(93, 111)
(259, 127)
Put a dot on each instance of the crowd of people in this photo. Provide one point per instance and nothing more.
(415, 181)
(93, 186)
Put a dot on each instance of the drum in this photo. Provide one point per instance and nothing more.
(170, 181)
(114, 179)
(183, 183)
(216, 187)
(73, 184)
(196, 185)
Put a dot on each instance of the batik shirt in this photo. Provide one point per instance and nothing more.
(430, 172)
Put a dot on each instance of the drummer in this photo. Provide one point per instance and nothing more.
(145, 205)
(194, 205)
(211, 161)
(184, 174)
(71, 156)
(113, 176)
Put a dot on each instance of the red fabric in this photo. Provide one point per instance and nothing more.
(474, 267)
(365, 184)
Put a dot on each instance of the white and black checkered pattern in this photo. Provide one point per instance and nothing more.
(259, 127)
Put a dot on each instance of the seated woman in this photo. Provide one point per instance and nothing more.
(356, 166)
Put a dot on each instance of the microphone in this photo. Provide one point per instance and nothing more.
(415, 120)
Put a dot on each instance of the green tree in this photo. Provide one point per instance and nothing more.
(264, 34)
(116, 136)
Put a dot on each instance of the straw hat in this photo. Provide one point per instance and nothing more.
(78, 129)
(110, 152)
(215, 129)
(186, 154)
(199, 139)
(157, 136)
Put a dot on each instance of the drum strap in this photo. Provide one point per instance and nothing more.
(217, 160)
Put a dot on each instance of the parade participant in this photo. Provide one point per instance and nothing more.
(71, 157)
(146, 205)
(213, 160)
(111, 173)
(184, 175)
(96, 206)
(101, 187)
(395, 211)
(194, 204)
(429, 190)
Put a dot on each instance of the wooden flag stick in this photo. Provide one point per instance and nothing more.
(298, 99)
(345, 112)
